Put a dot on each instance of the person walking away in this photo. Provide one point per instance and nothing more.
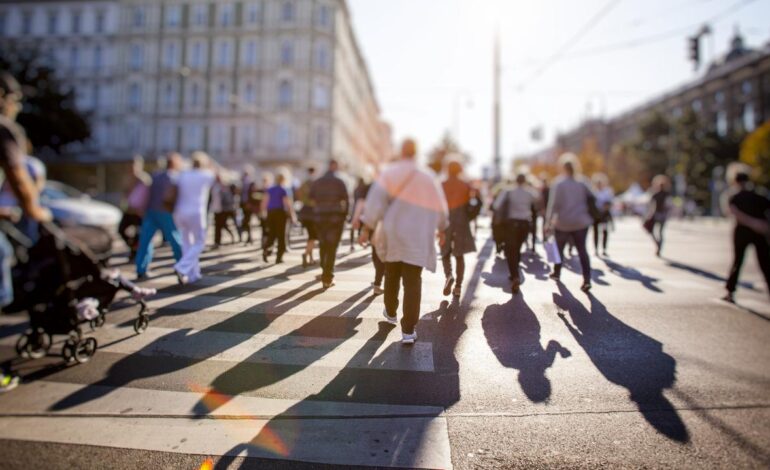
(362, 187)
(137, 199)
(25, 191)
(458, 237)
(330, 200)
(278, 209)
(530, 185)
(410, 205)
(545, 195)
(513, 208)
(158, 216)
(190, 214)
(604, 197)
(658, 210)
(223, 205)
(248, 207)
(359, 198)
(306, 216)
(752, 226)
(568, 215)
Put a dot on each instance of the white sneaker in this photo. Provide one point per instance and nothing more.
(408, 339)
(377, 290)
(392, 320)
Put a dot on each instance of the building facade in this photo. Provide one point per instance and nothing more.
(732, 98)
(264, 82)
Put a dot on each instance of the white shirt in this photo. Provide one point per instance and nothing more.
(193, 187)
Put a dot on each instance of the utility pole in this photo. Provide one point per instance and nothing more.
(496, 172)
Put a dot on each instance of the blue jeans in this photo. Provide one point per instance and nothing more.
(6, 281)
(153, 221)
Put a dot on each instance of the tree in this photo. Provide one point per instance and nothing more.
(591, 159)
(623, 169)
(49, 116)
(651, 147)
(755, 152)
(437, 156)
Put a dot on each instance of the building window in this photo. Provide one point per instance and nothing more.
(285, 94)
(320, 138)
(749, 118)
(3, 21)
(288, 12)
(721, 123)
(173, 16)
(221, 97)
(250, 94)
(170, 56)
(324, 19)
(226, 15)
(746, 87)
(218, 137)
(100, 21)
(719, 98)
(200, 15)
(75, 57)
(136, 59)
(138, 17)
(98, 58)
(287, 53)
(195, 95)
(697, 106)
(320, 96)
(197, 55)
(193, 137)
(322, 56)
(53, 23)
(250, 54)
(77, 19)
(248, 138)
(283, 136)
(167, 137)
(134, 96)
(26, 23)
(253, 13)
(224, 54)
(169, 95)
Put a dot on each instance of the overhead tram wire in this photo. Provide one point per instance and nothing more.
(592, 22)
(641, 41)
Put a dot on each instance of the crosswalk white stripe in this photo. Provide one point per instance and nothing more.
(265, 348)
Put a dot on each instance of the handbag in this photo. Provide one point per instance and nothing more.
(379, 241)
(552, 251)
(594, 211)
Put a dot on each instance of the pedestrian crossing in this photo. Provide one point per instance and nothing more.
(253, 361)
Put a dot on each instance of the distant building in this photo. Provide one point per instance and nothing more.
(265, 82)
(733, 96)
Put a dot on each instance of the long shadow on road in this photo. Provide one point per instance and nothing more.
(626, 357)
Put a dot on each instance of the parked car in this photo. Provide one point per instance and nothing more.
(72, 207)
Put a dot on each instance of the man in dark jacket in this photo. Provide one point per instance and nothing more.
(330, 200)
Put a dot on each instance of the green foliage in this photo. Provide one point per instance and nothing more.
(49, 116)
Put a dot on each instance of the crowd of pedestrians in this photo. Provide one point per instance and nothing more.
(407, 214)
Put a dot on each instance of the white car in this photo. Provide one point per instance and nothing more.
(71, 207)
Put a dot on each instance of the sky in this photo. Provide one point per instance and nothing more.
(562, 60)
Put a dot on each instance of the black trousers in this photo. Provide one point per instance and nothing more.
(379, 268)
(742, 238)
(329, 235)
(410, 276)
(578, 240)
(276, 231)
(246, 222)
(516, 233)
(446, 260)
(220, 224)
(128, 229)
(603, 230)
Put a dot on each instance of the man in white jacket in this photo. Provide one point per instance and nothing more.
(409, 205)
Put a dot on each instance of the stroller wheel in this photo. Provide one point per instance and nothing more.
(33, 344)
(141, 324)
(84, 350)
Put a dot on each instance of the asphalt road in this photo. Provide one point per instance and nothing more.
(257, 367)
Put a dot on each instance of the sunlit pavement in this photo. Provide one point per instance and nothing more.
(256, 363)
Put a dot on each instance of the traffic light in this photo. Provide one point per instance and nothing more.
(695, 51)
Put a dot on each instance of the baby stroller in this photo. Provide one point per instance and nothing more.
(64, 285)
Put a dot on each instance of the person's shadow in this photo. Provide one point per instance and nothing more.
(573, 264)
(632, 274)
(513, 333)
(626, 357)
(533, 264)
